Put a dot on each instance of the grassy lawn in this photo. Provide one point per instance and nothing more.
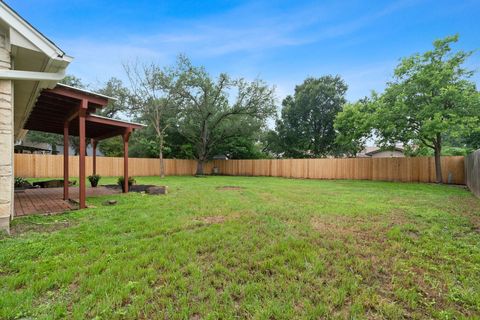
(261, 248)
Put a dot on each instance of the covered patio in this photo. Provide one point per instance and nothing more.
(70, 111)
(50, 200)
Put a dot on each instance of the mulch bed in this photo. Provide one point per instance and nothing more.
(133, 188)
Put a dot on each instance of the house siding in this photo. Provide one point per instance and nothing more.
(6, 137)
(388, 154)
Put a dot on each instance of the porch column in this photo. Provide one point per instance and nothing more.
(126, 137)
(65, 161)
(81, 129)
(94, 164)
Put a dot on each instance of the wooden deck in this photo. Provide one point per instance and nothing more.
(50, 200)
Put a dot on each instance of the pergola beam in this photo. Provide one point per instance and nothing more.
(66, 92)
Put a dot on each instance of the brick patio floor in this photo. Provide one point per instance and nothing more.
(50, 200)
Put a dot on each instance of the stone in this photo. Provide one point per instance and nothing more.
(5, 224)
(6, 87)
(6, 189)
(6, 170)
(157, 190)
(6, 117)
(5, 209)
(110, 202)
(50, 183)
(6, 143)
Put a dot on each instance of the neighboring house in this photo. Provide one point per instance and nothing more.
(46, 148)
(19, 148)
(220, 157)
(29, 63)
(377, 152)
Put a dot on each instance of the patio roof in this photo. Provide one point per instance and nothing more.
(56, 106)
(70, 111)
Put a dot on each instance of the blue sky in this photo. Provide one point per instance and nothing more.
(281, 42)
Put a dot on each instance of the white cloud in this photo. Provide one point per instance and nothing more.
(247, 33)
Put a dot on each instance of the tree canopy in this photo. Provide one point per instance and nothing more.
(430, 97)
(215, 111)
(305, 128)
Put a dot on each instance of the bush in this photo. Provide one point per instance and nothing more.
(121, 180)
(21, 182)
(94, 179)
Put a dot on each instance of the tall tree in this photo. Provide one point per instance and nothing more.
(354, 127)
(115, 88)
(430, 96)
(306, 125)
(117, 108)
(152, 100)
(214, 111)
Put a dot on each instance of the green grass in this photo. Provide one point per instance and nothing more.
(273, 249)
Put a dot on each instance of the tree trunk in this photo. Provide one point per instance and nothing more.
(162, 164)
(438, 160)
(200, 167)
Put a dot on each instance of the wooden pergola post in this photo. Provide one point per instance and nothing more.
(94, 162)
(81, 130)
(65, 160)
(126, 137)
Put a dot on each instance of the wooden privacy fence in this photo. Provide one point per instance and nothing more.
(472, 172)
(421, 169)
(51, 166)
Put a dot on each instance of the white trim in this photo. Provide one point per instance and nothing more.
(123, 121)
(86, 91)
(31, 75)
(29, 32)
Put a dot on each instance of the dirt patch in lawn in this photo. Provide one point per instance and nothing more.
(366, 228)
(212, 219)
(216, 219)
(42, 227)
(224, 188)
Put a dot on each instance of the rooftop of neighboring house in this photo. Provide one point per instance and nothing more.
(376, 151)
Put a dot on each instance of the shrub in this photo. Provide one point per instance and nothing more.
(94, 179)
(21, 182)
(121, 180)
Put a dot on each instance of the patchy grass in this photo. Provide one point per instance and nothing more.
(270, 248)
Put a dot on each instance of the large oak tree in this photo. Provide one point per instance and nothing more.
(305, 128)
(214, 111)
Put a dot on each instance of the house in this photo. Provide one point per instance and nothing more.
(32, 99)
(377, 152)
(29, 63)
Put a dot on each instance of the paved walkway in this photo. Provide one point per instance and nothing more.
(50, 200)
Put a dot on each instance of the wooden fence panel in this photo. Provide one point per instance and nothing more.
(421, 169)
(472, 172)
